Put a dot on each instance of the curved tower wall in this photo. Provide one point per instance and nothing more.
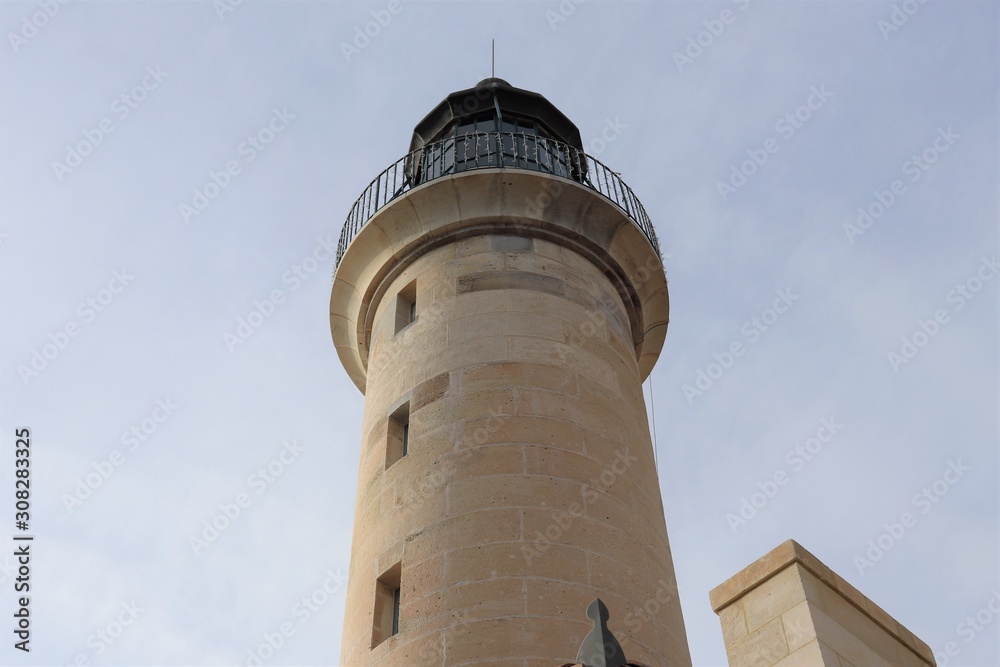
(528, 487)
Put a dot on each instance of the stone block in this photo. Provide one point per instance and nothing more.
(470, 406)
(542, 403)
(798, 626)
(510, 559)
(474, 245)
(734, 624)
(512, 638)
(462, 268)
(491, 460)
(809, 655)
(429, 391)
(465, 530)
(765, 646)
(514, 244)
(491, 598)
(559, 598)
(413, 496)
(549, 493)
(535, 301)
(421, 649)
(421, 339)
(476, 326)
(510, 280)
(539, 325)
(535, 263)
(513, 374)
(773, 597)
(544, 248)
(519, 429)
(560, 462)
(848, 645)
(417, 578)
(470, 304)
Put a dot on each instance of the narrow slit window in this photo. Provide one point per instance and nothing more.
(388, 599)
(395, 611)
(397, 441)
(406, 307)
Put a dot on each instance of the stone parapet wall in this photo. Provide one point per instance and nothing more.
(788, 608)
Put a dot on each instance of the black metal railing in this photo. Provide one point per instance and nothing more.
(490, 150)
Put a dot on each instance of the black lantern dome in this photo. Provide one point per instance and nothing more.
(495, 124)
(494, 105)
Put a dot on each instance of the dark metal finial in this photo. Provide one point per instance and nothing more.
(599, 647)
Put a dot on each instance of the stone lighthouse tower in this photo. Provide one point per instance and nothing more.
(499, 299)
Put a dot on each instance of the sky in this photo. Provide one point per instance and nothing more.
(823, 178)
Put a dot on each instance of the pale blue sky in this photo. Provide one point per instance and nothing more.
(206, 83)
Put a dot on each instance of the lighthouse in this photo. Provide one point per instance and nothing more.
(499, 298)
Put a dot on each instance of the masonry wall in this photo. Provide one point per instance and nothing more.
(529, 486)
(789, 609)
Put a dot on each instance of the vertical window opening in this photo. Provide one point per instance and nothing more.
(388, 597)
(397, 443)
(406, 307)
(395, 611)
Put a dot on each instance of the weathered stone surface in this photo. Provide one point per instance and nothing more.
(824, 620)
(429, 391)
(505, 243)
(528, 487)
(520, 280)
